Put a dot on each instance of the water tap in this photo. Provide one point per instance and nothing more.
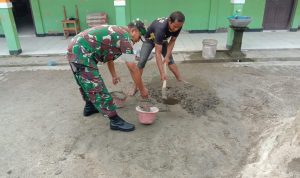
(237, 12)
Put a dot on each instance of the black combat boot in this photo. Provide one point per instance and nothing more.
(117, 123)
(89, 109)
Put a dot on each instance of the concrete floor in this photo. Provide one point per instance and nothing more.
(252, 132)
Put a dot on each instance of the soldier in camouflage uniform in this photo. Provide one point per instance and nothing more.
(104, 44)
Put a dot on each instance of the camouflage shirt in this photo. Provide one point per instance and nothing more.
(99, 44)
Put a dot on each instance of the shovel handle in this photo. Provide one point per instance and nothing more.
(165, 68)
(164, 84)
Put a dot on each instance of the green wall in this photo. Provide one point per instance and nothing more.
(1, 29)
(255, 9)
(52, 12)
(296, 19)
(200, 14)
(225, 9)
(196, 11)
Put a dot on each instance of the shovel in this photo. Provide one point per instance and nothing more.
(165, 99)
(164, 86)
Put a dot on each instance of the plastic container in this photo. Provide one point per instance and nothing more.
(119, 98)
(146, 117)
(209, 48)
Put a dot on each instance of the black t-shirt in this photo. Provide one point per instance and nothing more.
(158, 31)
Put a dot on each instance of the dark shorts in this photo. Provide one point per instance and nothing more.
(146, 51)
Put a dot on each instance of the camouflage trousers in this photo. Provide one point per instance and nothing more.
(93, 89)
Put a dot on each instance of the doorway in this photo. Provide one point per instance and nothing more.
(23, 17)
(278, 14)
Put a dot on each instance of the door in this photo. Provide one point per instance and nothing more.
(278, 14)
(23, 17)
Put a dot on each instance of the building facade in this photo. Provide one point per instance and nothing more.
(43, 17)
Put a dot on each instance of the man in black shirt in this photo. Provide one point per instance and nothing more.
(158, 35)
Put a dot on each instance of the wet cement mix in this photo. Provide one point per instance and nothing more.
(194, 100)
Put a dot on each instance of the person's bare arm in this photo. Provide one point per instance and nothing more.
(159, 62)
(136, 76)
(111, 68)
(170, 49)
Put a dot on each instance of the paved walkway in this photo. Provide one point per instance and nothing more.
(186, 42)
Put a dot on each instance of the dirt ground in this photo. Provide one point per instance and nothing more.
(231, 120)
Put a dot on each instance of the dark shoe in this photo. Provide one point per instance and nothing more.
(118, 123)
(89, 109)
